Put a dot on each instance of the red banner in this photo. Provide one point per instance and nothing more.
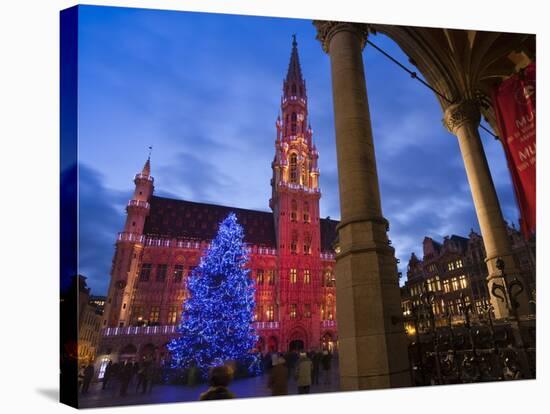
(514, 101)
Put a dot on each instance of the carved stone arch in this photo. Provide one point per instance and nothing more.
(298, 334)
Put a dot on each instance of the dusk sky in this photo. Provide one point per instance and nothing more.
(204, 90)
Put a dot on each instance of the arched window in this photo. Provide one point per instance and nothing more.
(294, 242)
(293, 210)
(307, 277)
(307, 244)
(329, 278)
(270, 313)
(304, 175)
(293, 123)
(293, 168)
(286, 124)
(306, 212)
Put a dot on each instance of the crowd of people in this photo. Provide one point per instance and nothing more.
(121, 376)
(307, 369)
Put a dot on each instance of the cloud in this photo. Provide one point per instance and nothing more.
(101, 217)
(208, 105)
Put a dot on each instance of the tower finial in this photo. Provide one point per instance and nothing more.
(294, 70)
(147, 167)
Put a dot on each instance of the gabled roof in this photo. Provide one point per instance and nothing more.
(181, 219)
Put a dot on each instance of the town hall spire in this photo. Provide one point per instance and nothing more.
(294, 73)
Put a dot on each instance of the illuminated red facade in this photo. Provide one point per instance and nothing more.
(291, 252)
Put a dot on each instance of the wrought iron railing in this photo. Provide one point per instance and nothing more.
(475, 351)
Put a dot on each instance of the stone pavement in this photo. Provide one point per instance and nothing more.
(242, 388)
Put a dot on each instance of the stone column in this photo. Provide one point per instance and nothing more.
(373, 350)
(462, 119)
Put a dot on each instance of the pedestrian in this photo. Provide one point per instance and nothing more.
(135, 371)
(152, 376)
(140, 375)
(291, 359)
(81, 377)
(126, 374)
(218, 378)
(88, 375)
(107, 374)
(115, 377)
(147, 376)
(326, 362)
(303, 374)
(278, 379)
(192, 374)
(316, 360)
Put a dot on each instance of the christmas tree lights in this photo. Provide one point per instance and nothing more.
(216, 324)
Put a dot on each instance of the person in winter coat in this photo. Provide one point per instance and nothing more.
(278, 379)
(126, 374)
(326, 362)
(218, 379)
(88, 375)
(303, 374)
(317, 357)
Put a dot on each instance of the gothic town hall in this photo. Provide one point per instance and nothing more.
(291, 251)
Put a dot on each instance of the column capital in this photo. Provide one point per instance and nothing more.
(457, 114)
(326, 29)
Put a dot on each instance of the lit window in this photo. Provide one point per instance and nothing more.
(458, 263)
(433, 284)
(137, 313)
(172, 315)
(270, 277)
(258, 313)
(270, 313)
(307, 244)
(329, 278)
(454, 282)
(293, 275)
(463, 282)
(304, 176)
(293, 247)
(307, 310)
(259, 277)
(446, 286)
(307, 277)
(451, 266)
(293, 311)
(155, 314)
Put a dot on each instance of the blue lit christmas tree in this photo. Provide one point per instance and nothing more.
(216, 324)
